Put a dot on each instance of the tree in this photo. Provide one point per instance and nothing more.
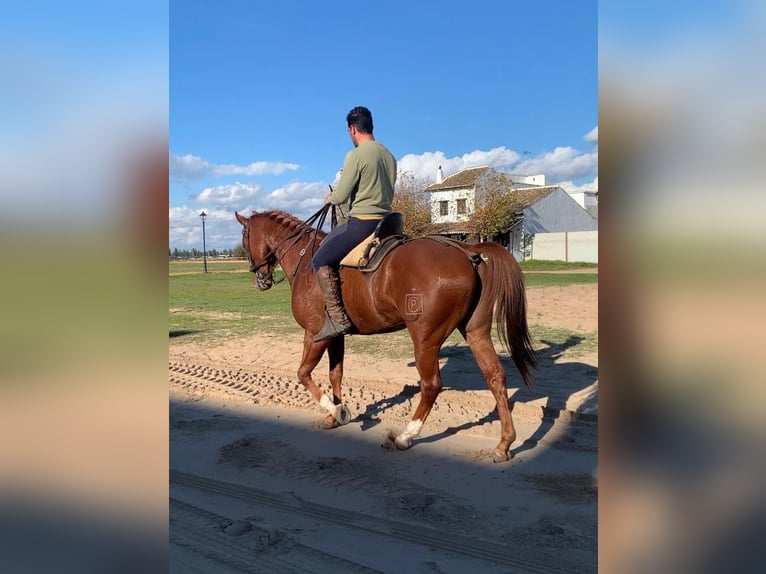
(412, 201)
(497, 207)
(239, 252)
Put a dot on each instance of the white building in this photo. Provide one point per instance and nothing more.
(456, 195)
(543, 209)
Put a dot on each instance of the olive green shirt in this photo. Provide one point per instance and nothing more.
(368, 178)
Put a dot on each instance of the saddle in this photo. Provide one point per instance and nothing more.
(369, 253)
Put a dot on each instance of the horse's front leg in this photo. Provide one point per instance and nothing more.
(312, 354)
(339, 413)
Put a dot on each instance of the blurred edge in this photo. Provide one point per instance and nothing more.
(83, 409)
(682, 277)
(83, 243)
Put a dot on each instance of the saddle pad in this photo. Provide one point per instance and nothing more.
(370, 260)
(355, 256)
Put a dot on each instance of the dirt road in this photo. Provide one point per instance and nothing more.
(257, 486)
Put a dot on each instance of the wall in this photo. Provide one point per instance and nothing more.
(451, 196)
(585, 199)
(528, 180)
(565, 246)
(557, 212)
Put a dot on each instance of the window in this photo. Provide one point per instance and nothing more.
(461, 206)
(443, 208)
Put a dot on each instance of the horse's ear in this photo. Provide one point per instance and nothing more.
(241, 219)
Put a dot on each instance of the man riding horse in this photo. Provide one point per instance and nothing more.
(429, 286)
(367, 183)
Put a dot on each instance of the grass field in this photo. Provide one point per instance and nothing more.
(538, 265)
(224, 303)
(176, 267)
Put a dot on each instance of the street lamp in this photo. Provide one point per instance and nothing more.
(203, 216)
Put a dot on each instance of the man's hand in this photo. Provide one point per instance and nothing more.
(327, 199)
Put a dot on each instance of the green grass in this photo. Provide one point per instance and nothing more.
(538, 273)
(213, 266)
(532, 279)
(540, 265)
(225, 305)
(220, 306)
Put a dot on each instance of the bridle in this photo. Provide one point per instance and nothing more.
(266, 280)
(263, 280)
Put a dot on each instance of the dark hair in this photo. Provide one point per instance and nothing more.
(361, 118)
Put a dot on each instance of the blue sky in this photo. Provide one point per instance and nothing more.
(259, 92)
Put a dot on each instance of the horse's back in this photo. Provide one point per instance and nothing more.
(420, 279)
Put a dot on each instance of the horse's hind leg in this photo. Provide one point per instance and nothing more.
(427, 363)
(480, 342)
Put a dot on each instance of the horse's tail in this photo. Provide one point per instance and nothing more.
(503, 288)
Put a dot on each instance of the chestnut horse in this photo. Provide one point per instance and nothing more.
(426, 286)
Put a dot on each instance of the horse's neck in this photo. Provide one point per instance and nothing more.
(289, 242)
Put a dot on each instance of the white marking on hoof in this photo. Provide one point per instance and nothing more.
(404, 440)
(344, 415)
(340, 413)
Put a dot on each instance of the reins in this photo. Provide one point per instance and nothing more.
(318, 218)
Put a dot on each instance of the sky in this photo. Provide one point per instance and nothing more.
(259, 92)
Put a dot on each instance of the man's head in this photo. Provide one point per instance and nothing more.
(360, 126)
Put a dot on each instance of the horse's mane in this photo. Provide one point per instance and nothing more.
(285, 219)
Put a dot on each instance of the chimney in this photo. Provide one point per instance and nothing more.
(439, 175)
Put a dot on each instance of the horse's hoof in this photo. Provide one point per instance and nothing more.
(388, 442)
(344, 415)
(403, 444)
(498, 456)
(329, 422)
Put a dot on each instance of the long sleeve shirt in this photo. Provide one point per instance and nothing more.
(368, 178)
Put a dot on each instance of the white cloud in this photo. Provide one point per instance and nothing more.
(194, 167)
(255, 168)
(592, 135)
(221, 228)
(230, 194)
(562, 164)
(300, 198)
(222, 231)
(573, 187)
(424, 166)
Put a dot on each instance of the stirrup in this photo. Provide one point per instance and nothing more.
(332, 329)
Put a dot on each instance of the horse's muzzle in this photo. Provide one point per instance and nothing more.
(263, 281)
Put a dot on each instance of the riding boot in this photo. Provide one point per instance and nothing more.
(336, 320)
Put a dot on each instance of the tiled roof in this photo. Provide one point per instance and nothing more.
(463, 178)
(527, 196)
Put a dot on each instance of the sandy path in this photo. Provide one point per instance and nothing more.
(255, 485)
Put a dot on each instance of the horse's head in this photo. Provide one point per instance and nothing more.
(262, 258)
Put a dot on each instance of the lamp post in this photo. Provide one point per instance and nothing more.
(203, 216)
